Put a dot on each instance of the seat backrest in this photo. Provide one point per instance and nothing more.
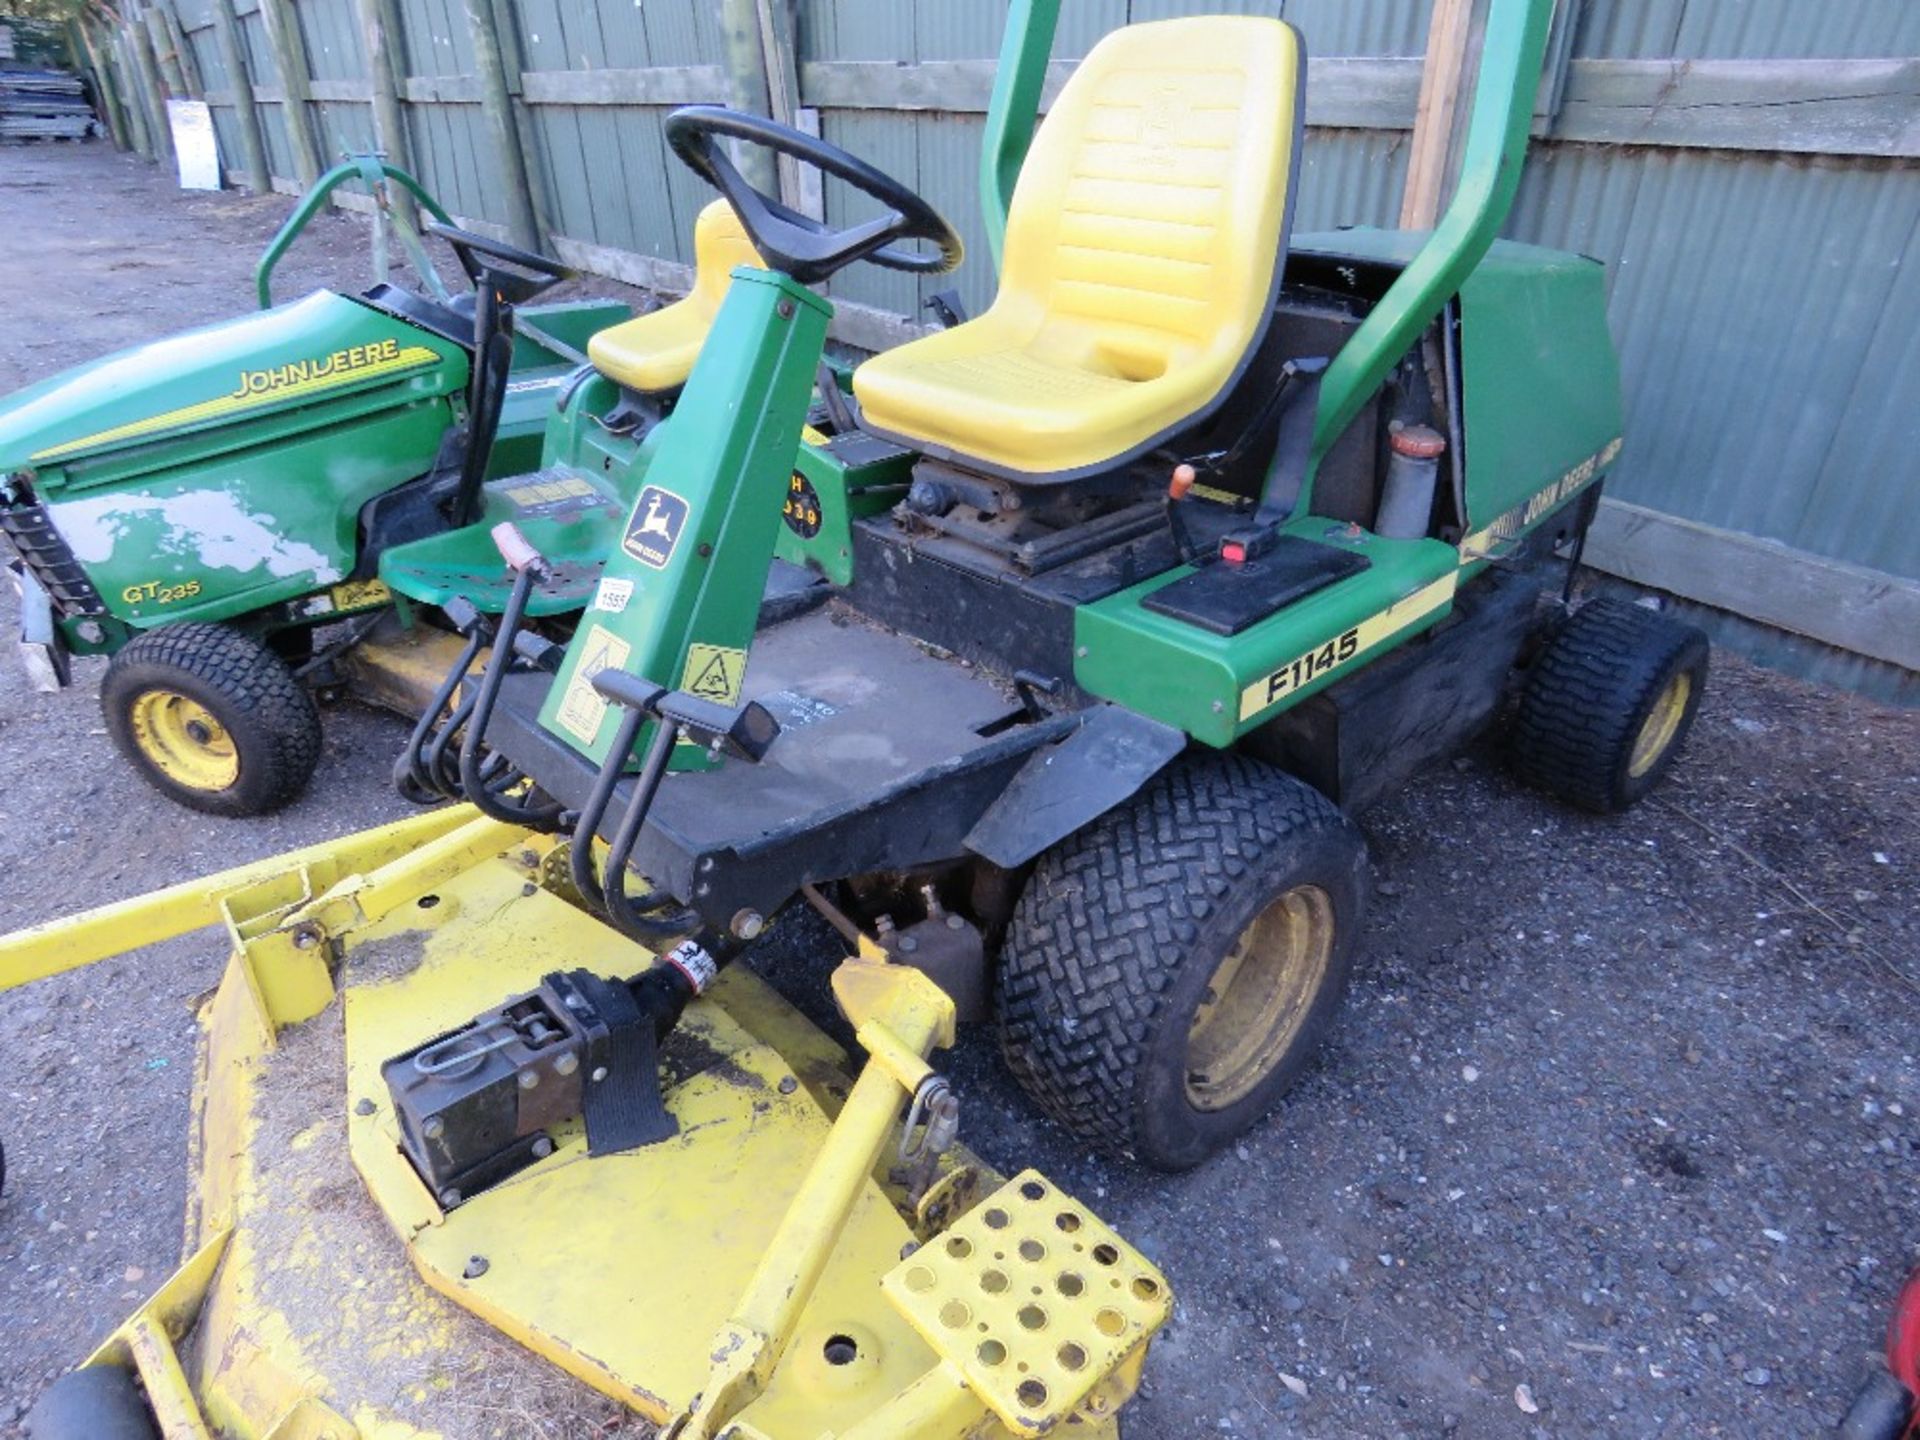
(720, 246)
(1147, 225)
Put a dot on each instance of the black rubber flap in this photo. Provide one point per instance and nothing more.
(625, 1110)
(1226, 599)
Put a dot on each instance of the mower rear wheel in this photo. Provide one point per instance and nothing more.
(1608, 704)
(1171, 968)
(213, 718)
(100, 1402)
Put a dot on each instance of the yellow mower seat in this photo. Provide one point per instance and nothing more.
(1143, 247)
(656, 351)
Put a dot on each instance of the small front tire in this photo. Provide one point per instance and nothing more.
(1171, 968)
(212, 718)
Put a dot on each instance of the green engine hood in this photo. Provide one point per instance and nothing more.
(322, 348)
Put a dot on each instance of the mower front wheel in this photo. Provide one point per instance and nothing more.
(100, 1402)
(213, 718)
(1171, 968)
(1608, 704)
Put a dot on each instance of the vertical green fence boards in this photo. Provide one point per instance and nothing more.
(266, 76)
(336, 53)
(610, 181)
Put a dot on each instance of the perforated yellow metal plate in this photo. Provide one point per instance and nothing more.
(1033, 1298)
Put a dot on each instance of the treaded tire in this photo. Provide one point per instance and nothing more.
(1881, 1411)
(1589, 696)
(100, 1402)
(268, 714)
(1121, 928)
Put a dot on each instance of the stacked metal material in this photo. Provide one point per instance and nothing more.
(37, 104)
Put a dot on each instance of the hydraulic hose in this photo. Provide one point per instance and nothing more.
(473, 782)
(622, 909)
(411, 775)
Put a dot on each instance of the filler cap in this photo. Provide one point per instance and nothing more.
(1418, 442)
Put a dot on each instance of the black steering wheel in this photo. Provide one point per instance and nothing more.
(794, 243)
(468, 245)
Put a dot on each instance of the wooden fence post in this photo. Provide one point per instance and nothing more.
(1433, 120)
(153, 91)
(185, 61)
(129, 77)
(383, 75)
(246, 114)
(290, 58)
(164, 55)
(104, 89)
(748, 87)
(495, 99)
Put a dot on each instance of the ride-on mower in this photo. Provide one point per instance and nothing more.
(1047, 679)
(199, 507)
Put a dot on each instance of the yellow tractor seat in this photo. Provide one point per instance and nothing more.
(656, 351)
(1144, 246)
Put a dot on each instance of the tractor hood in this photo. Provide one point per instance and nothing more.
(323, 348)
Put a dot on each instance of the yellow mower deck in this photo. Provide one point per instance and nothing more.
(760, 1270)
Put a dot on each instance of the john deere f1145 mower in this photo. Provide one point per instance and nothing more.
(1048, 679)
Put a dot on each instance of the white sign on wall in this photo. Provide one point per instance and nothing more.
(193, 144)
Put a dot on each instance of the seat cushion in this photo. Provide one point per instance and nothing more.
(1144, 242)
(656, 351)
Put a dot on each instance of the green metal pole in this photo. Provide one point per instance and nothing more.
(523, 225)
(1013, 110)
(1496, 150)
(246, 113)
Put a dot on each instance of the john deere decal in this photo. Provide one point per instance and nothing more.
(256, 388)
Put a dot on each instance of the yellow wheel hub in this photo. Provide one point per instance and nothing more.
(183, 740)
(1259, 998)
(1661, 725)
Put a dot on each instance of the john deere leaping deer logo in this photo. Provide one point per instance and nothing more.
(654, 527)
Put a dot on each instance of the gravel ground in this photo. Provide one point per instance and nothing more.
(1615, 1138)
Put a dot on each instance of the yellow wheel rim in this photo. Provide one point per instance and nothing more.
(183, 741)
(1661, 725)
(1259, 998)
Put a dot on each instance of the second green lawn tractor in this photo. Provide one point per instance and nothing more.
(1047, 673)
(201, 507)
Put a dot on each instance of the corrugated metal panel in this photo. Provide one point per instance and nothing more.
(1361, 27)
(1350, 177)
(1750, 297)
(1747, 29)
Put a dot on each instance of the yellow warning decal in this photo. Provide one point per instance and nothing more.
(581, 708)
(714, 673)
(259, 388)
(812, 436)
(360, 594)
(1314, 664)
(546, 492)
(1488, 540)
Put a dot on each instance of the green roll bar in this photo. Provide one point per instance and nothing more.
(1018, 82)
(375, 173)
(1511, 57)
